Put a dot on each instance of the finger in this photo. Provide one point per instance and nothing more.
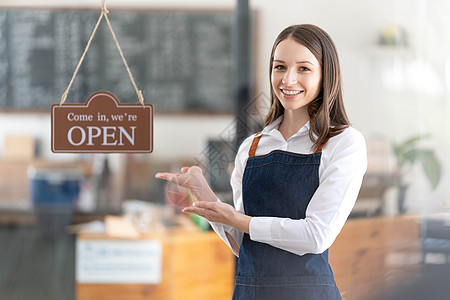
(205, 205)
(195, 170)
(175, 178)
(195, 210)
(184, 169)
(184, 179)
(164, 175)
(201, 208)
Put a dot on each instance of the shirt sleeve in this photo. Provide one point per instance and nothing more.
(329, 207)
(236, 184)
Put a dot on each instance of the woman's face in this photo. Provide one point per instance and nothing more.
(296, 75)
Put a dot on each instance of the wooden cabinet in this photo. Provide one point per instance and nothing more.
(195, 265)
(371, 255)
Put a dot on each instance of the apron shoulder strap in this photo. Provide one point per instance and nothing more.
(319, 149)
(254, 145)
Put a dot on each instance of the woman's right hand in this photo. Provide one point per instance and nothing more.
(191, 178)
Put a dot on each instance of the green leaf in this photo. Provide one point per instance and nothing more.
(409, 152)
(412, 155)
(431, 167)
(398, 155)
(406, 145)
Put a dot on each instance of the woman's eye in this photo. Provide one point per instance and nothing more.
(279, 67)
(303, 69)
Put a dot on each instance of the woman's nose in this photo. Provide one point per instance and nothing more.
(290, 77)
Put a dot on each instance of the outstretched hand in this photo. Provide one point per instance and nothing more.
(191, 178)
(213, 211)
(207, 206)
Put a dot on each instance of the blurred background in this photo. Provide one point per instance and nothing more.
(68, 222)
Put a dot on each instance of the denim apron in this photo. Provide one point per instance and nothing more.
(281, 184)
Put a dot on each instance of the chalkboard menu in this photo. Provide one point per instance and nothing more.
(181, 60)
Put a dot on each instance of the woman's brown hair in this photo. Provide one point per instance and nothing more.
(327, 113)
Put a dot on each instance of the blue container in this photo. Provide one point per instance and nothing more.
(54, 193)
(54, 187)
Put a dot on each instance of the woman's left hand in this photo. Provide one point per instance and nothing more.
(221, 213)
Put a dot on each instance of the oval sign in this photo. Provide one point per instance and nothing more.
(102, 125)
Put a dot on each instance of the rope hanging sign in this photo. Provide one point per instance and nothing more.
(102, 124)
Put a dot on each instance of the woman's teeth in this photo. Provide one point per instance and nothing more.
(291, 93)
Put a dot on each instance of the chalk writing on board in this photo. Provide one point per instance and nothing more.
(181, 60)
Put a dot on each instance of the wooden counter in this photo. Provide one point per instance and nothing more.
(195, 265)
(372, 255)
(369, 256)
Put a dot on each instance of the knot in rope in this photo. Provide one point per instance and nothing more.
(104, 9)
(141, 98)
(63, 98)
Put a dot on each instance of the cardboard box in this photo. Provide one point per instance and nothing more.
(14, 185)
(19, 148)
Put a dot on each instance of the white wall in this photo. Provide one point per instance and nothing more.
(392, 94)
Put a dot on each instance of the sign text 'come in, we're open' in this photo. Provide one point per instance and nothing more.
(102, 124)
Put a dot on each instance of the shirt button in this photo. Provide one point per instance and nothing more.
(284, 147)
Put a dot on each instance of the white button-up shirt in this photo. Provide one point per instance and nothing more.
(341, 170)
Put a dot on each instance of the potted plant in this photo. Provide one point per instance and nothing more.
(408, 153)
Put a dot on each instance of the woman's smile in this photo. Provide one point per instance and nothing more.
(288, 93)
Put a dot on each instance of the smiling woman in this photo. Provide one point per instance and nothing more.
(295, 182)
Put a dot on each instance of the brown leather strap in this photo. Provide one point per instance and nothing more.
(254, 145)
(321, 146)
(255, 142)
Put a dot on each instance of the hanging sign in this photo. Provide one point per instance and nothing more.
(102, 124)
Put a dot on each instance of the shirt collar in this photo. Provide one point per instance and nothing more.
(272, 128)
